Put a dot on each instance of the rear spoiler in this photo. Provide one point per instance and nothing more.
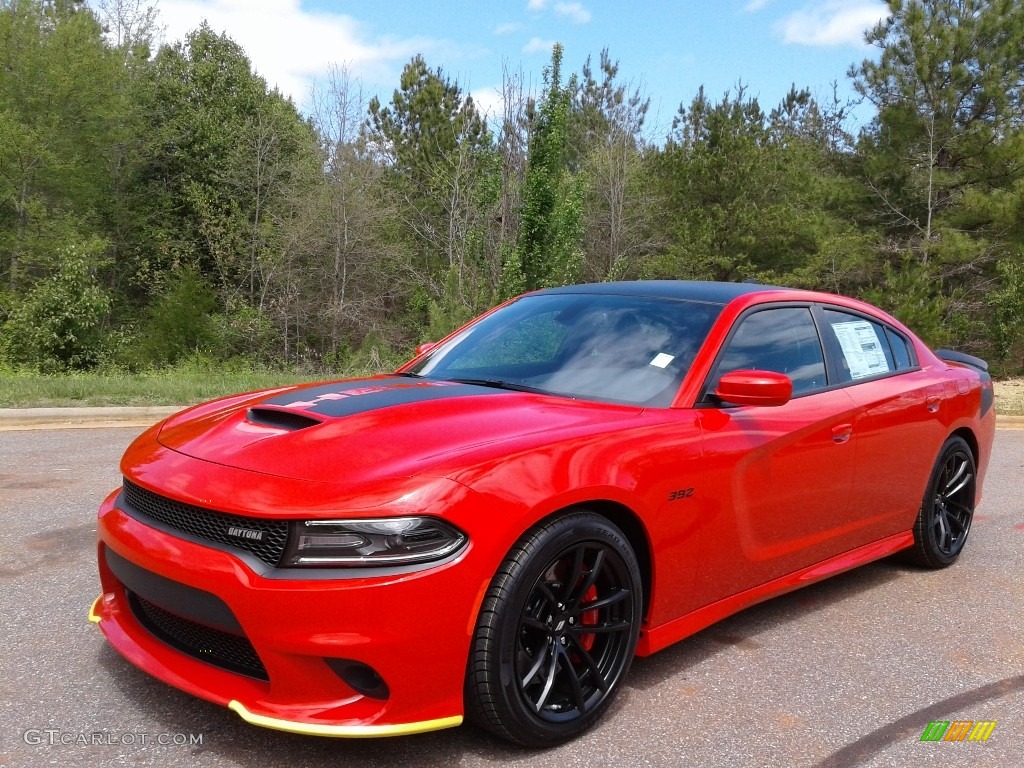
(952, 356)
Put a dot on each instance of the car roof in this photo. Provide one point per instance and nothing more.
(693, 290)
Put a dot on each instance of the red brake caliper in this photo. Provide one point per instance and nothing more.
(588, 619)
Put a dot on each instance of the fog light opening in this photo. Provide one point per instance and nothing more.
(360, 677)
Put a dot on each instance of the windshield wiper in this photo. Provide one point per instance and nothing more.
(500, 384)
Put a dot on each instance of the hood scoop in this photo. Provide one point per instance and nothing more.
(281, 419)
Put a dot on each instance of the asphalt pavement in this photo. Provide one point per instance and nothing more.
(847, 672)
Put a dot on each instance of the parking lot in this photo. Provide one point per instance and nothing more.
(847, 672)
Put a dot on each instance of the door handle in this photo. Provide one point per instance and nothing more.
(841, 433)
(933, 403)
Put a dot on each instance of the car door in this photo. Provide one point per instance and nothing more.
(781, 475)
(898, 425)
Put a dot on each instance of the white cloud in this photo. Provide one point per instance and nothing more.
(266, 30)
(832, 23)
(536, 45)
(507, 28)
(490, 102)
(575, 12)
(755, 5)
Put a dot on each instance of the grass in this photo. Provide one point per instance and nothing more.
(22, 389)
(184, 386)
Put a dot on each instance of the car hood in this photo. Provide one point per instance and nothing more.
(364, 430)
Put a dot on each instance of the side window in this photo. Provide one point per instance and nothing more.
(783, 340)
(863, 346)
(900, 350)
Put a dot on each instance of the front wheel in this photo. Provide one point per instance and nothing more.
(947, 510)
(557, 631)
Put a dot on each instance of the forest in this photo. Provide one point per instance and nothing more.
(160, 203)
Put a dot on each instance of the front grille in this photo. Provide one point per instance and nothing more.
(210, 525)
(221, 649)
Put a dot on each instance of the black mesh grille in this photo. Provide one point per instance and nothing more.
(264, 538)
(221, 649)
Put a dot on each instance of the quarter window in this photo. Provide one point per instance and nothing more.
(783, 340)
(900, 350)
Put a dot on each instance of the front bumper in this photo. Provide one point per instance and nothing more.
(412, 629)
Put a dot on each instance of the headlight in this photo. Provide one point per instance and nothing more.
(371, 542)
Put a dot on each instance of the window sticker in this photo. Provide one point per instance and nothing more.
(661, 360)
(862, 348)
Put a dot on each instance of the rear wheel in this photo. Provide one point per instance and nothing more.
(947, 510)
(556, 633)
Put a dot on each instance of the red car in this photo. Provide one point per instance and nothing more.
(579, 476)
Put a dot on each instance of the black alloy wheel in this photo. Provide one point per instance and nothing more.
(947, 510)
(557, 632)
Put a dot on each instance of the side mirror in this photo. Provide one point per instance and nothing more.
(765, 388)
(425, 347)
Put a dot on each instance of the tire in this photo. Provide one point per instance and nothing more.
(947, 509)
(557, 631)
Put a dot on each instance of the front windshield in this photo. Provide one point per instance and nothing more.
(613, 348)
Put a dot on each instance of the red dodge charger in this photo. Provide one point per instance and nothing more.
(579, 476)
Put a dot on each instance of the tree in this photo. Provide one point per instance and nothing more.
(518, 115)
(948, 88)
(444, 170)
(945, 151)
(428, 117)
(201, 98)
(741, 198)
(130, 28)
(129, 24)
(549, 250)
(607, 126)
(802, 117)
(605, 107)
(58, 325)
(221, 152)
(170, 334)
(354, 268)
(58, 103)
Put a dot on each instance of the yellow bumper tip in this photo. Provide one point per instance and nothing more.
(343, 731)
(94, 611)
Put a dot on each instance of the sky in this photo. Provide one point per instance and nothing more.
(667, 48)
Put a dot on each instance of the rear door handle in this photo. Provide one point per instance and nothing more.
(933, 403)
(841, 433)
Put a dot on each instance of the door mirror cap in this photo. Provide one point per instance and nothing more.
(764, 388)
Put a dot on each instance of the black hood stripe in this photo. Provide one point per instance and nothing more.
(346, 398)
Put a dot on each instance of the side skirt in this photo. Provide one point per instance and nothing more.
(655, 639)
